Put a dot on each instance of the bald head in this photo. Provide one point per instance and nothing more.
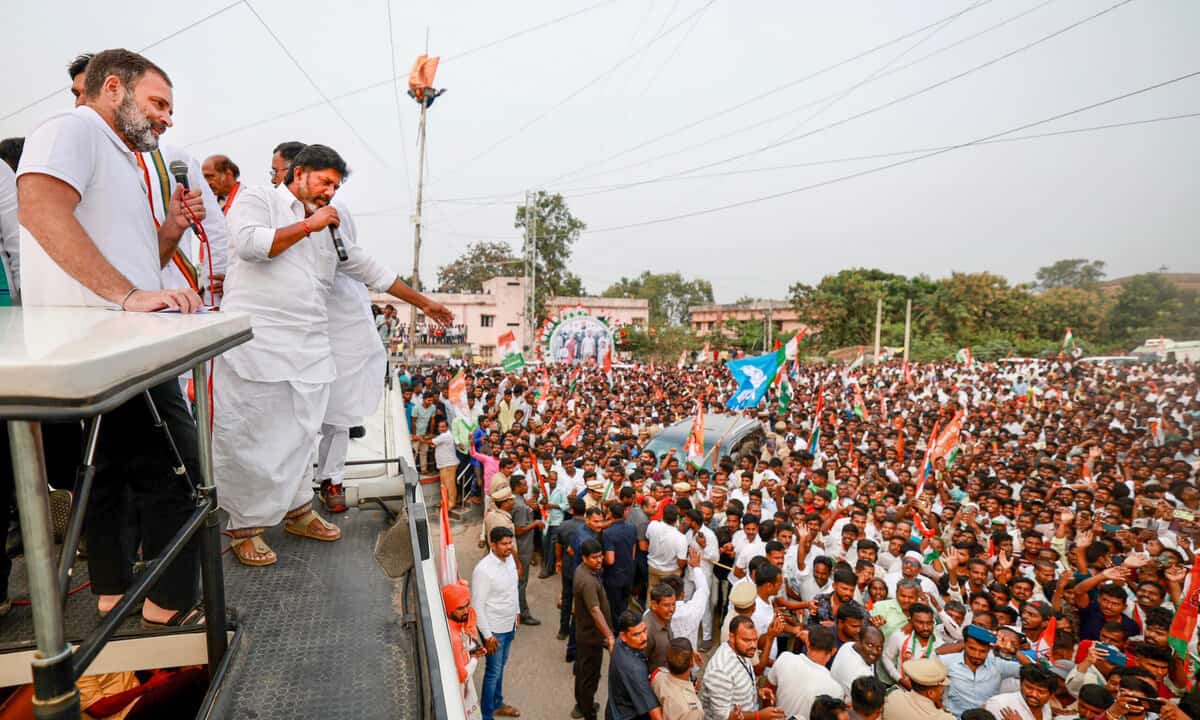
(221, 174)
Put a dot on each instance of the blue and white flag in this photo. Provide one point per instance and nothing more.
(754, 375)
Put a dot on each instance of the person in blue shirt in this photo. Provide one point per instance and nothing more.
(620, 547)
(975, 673)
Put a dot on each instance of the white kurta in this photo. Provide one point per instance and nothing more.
(270, 394)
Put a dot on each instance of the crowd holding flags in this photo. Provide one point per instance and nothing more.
(964, 356)
(511, 358)
(693, 447)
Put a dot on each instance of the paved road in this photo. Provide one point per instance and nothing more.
(537, 681)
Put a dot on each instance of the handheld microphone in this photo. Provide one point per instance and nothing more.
(179, 170)
(337, 243)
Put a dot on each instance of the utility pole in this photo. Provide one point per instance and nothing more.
(907, 325)
(878, 324)
(531, 198)
(415, 280)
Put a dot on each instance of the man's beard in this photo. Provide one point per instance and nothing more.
(137, 129)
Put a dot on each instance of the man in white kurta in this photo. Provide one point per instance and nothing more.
(271, 394)
(360, 363)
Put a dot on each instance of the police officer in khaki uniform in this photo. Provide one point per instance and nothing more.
(500, 513)
(924, 701)
(673, 685)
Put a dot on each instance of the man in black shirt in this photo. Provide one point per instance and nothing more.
(565, 564)
(630, 696)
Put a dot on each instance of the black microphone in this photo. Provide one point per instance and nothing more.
(180, 170)
(337, 243)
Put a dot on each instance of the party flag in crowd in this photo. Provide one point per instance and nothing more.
(753, 376)
(571, 436)
(608, 373)
(693, 447)
(1183, 627)
(449, 560)
(964, 356)
(814, 443)
(947, 441)
(511, 358)
(785, 393)
(682, 357)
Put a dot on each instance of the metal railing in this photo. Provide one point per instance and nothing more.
(57, 666)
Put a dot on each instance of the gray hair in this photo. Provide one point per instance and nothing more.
(909, 584)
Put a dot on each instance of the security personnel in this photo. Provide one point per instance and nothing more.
(924, 701)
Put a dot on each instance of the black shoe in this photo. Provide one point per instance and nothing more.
(570, 658)
(358, 431)
(530, 620)
(562, 635)
(544, 575)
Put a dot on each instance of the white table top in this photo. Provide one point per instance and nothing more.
(86, 359)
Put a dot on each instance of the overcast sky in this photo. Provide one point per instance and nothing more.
(628, 91)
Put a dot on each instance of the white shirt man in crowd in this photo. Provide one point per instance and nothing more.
(494, 597)
(799, 679)
(281, 379)
(667, 552)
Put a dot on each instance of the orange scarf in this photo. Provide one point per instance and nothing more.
(453, 596)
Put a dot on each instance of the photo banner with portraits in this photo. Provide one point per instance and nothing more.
(574, 337)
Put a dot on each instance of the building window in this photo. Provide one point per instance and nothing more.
(514, 324)
(487, 351)
(638, 322)
(487, 320)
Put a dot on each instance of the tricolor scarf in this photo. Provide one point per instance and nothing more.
(163, 201)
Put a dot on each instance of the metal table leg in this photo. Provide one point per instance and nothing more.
(211, 573)
(55, 694)
(83, 490)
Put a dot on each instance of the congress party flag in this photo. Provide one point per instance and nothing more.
(693, 448)
(753, 376)
(1183, 627)
(785, 394)
(964, 356)
(511, 358)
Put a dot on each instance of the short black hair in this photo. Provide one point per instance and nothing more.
(767, 574)
(978, 714)
(591, 546)
(317, 157)
(738, 622)
(1040, 676)
(79, 64)
(821, 637)
(11, 149)
(627, 619)
(866, 695)
(128, 66)
(845, 577)
(289, 150)
(679, 654)
(499, 533)
(846, 611)
(826, 707)
(1096, 696)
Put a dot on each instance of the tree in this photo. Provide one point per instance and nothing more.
(669, 294)
(481, 262)
(1075, 273)
(1150, 306)
(842, 306)
(557, 230)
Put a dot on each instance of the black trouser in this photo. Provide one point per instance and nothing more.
(564, 614)
(62, 448)
(133, 457)
(618, 599)
(589, 658)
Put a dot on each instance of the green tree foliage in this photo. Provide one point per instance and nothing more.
(1074, 273)
(481, 262)
(557, 230)
(670, 295)
(1150, 306)
(992, 317)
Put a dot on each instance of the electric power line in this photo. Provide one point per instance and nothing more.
(519, 33)
(575, 93)
(396, 92)
(903, 98)
(376, 85)
(152, 45)
(362, 141)
(602, 189)
(908, 161)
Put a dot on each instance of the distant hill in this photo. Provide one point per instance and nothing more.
(1183, 281)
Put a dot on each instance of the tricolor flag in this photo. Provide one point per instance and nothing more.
(858, 362)
(814, 442)
(574, 379)
(571, 436)
(1045, 643)
(926, 464)
(545, 389)
(921, 527)
(456, 393)
(693, 447)
(948, 440)
(449, 560)
(1183, 627)
(792, 348)
(964, 356)
(907, 373)
(511, 358)
(705, 354)
(785, 393)
(682, 357)
(608, 373)
(860, 407)
(1068, 343)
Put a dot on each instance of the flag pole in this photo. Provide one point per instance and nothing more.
(878, 323)
(907, 326)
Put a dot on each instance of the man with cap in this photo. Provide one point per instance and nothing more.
(924, 701)
(1032, 701)
(595, 493)
(910, 567)
(499, 514)
(975, 673)
(744, 599)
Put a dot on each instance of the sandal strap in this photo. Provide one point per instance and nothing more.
(260, 546)
(306, 521)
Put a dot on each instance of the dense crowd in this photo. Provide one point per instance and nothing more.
(1010, 540)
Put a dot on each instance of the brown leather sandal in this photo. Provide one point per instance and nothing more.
(312, 525)
(253, 551)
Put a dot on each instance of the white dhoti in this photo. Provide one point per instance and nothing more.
(264, 445)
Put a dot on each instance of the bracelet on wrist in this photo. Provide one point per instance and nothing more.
(127, 296)
(307, 229)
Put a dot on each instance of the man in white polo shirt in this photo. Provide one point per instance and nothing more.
(86, 239)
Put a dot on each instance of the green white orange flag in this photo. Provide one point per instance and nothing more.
(693, 447)
(1183, 627)
(511, 358)
(785, 392)
(964, 356)
(948, 439)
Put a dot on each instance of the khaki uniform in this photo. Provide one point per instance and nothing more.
(497, 518)
(678, 697)
(908, 705)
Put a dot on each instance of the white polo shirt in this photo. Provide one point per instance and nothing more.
(666, 547)
(80, 149)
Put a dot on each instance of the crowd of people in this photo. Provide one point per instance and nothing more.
(929, 541)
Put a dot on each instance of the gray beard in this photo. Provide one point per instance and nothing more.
(135, 127)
